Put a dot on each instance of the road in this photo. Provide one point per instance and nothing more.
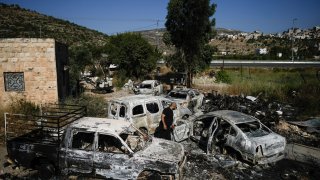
(268, 63)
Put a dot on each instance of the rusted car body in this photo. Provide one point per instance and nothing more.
(187, 97)
(144, 111)
(151, 87)
(98, 148)
(237, 134)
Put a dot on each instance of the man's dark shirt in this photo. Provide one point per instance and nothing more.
(168, 118)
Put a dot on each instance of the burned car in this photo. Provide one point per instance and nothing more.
(152, 87)
(187, 97)
(98, 148)
(107, 148)
(144, 111)
(238, 134)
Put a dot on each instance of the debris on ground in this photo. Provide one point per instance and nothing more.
(284, 169)
(269, 112)
(294, 134)
(311, 126)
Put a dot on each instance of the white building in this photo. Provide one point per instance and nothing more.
(261, 51)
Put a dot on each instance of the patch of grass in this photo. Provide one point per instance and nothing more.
(21, 106)
(119, 79)
(96, 105)
(299, 87)
(223, 76)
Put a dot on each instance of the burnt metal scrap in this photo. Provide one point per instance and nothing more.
(266, 110)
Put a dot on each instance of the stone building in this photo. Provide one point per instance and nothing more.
(33, 69)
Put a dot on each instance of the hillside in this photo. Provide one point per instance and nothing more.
(155, 37)
(16, 22)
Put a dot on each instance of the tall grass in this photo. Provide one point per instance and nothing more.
(299, 87)
(96, 104)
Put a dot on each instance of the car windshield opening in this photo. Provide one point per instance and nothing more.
(146, 86)
(135, 142)
(178, 95)
(253, 129)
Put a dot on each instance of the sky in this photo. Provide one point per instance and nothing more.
(118, 16)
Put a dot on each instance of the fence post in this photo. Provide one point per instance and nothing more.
(5, 127)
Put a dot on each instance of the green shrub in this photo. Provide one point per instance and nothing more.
(119, 79)
(222, 76)
(96, 105)
(21, 106)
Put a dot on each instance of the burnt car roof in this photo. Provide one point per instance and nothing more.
(139, 98)
(233, 116)
(182, 90)
(148, 81)
(101, 125)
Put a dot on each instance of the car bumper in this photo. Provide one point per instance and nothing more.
(270, 159)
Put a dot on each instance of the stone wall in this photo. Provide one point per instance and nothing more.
(36, 59)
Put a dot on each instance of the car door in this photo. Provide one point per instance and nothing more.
(211, 143)
(193, 100)
(153, 114)
(79, 154)
(112, 158)
(181, 131)
(232, 137)
(139, 117)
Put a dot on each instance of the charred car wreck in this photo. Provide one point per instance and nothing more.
(97, 147)
(237, 134)
(143, 111)
(151, 87)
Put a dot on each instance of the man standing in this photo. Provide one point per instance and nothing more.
(166, 124)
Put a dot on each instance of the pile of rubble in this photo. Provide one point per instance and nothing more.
(269, 112)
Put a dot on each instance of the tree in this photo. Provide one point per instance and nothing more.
(190, 28)
(80, 57)
(134, 56)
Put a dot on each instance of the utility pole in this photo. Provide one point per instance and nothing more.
(292, 58)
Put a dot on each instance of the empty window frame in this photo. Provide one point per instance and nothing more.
(122, 112)
(152, 107)
(82, 140)
(110, 144)
(137, 110)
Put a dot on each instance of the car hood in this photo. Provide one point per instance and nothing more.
(271, 143)
(145, 90)
(177, 100)
(164, 150)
